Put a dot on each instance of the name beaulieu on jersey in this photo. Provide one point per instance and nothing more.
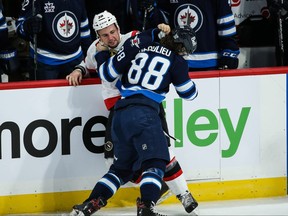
(157, 49)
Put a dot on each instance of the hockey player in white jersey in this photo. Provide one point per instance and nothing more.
(109, 37)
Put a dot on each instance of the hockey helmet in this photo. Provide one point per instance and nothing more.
(185, 35)
(103, 20)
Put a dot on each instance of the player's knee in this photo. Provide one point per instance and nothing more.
(123, 175)
(157, 166)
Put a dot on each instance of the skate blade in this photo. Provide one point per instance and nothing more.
(164, 197)
(195, 212)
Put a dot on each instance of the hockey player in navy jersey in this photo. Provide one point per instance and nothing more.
(3, 42)
(213, 22)
(110, 38)
(147, 68)
(62, 34)
(8, 54)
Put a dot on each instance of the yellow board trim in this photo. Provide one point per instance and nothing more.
(202, 191)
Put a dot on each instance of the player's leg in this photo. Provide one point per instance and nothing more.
(174, 176)
(150, 184)
(119, 173)
(104, 189)
(151, 146)
(175, 179)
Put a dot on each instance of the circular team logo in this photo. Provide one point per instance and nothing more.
(65, 26)
(188, 14)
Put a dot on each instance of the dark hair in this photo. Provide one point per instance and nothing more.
(168, 42)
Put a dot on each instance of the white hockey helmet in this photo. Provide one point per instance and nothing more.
(104, 19)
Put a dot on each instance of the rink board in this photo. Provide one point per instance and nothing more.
(232, 140)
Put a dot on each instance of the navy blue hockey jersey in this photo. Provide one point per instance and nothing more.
(6, 51)
(214, 24)
(148, 70)
(65, 32)
(3, 29)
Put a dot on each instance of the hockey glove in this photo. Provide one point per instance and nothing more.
(228, 63)
(33, 25)
(8, 61)
(229, 59)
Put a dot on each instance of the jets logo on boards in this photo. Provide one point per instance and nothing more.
(188, 14)
(65, 26)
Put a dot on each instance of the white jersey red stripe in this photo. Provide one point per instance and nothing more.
(110, 92)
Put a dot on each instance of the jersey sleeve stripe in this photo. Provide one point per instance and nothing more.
(227, 32)
(111, 70)
(185, 86)
(225, 20)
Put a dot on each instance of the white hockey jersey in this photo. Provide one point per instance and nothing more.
(110, 92)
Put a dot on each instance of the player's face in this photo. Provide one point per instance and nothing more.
(110, 36)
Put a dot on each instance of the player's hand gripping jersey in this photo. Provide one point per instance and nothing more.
(110, 93)
(147, 68)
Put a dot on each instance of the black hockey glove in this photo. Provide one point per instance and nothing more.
(228, 59)
(228, 63)
(8, 61)
(33, 25)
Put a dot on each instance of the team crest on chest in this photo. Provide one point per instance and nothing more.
(65, 26)
(188, 14)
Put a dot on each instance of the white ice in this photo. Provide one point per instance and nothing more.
(260, 206)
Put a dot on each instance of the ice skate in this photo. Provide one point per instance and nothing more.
(165, 193)
(188, 201)
(146, 208)
(88, 208)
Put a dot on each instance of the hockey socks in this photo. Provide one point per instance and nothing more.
(106, 187)
(150, 184)
(174, 178)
